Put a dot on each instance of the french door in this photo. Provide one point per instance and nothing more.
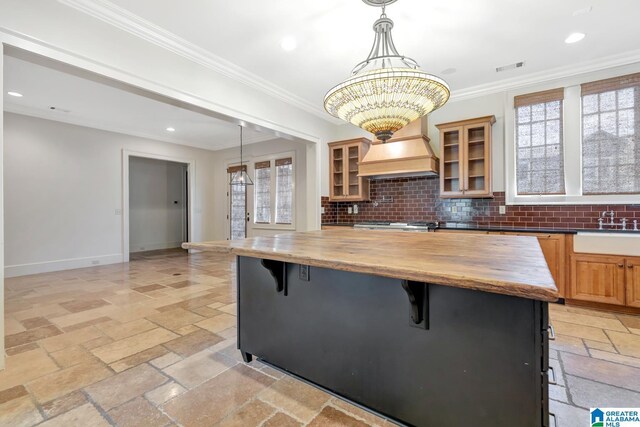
(239, 204)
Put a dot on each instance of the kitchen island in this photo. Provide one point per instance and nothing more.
(422, 328)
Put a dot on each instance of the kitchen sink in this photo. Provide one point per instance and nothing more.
(607, 243)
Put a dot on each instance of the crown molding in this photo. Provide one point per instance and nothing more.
(133, 24)
(612, 61)
(99, 125)
(121, 18)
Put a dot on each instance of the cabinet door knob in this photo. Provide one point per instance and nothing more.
(620, 265)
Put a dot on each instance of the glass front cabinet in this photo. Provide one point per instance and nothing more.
(344, 157)
(465, 158)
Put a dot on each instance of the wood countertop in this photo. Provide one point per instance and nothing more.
(509, 265)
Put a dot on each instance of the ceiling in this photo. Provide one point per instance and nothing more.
(94, 102)
(471, 36)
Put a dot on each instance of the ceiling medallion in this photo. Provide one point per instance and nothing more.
(386, 91)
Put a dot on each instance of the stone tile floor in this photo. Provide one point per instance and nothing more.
(152, 343)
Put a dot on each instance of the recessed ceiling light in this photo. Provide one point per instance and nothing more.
(288, 43)
(16, 94)
(170, 129)
(574, 38)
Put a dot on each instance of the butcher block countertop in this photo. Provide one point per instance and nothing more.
(506, 265)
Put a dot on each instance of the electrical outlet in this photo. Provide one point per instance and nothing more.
(322, 210)
(349, 210)
(355, 209)
(118, 211)
(502, 210)
(454, 209)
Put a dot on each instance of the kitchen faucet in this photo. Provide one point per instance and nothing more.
(602, 221)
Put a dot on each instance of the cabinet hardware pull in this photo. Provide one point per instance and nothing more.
(553, 372)
(552, 333)
(629, 265)
(620, 265)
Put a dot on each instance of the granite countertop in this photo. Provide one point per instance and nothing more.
(509, 265)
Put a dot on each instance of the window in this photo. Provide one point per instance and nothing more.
(262, 189)
(610, 144)
(274, 198)
(284, 191)
(237, 205)
(539, 149)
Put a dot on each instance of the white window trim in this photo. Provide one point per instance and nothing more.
(572, 146)
(272, 158)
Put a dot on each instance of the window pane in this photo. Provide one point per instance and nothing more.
(608, 101)
(540, 168)
(524, 114)
(284, 194)
(610, 145)
(537, 112)
(237, 210)
(262, 191)
(589, 104)
(553, 110)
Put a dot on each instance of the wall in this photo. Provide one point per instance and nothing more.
(63, 189)
(1, 215)
(302, 163)
(417, 199)
(155, 221)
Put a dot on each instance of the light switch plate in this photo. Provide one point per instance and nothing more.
(322, 210)
(502, 210)
(454, 209)
(349, 210)
(355, 209)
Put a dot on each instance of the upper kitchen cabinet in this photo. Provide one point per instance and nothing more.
(465, 158)
(344, 157)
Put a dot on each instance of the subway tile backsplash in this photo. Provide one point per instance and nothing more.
(417, 199)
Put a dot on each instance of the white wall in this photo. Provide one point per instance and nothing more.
(63, 189)
(156, 221)
(302, 163)
(1, 217)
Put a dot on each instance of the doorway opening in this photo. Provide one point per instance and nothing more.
(157, 202)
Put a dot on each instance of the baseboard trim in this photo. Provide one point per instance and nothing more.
(145, 247)
(60, 265)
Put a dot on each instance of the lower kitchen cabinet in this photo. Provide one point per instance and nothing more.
(633, 281)
(599, 278)
(554, 250)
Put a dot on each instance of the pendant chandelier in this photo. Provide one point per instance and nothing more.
(386, 91)
(240, 175)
